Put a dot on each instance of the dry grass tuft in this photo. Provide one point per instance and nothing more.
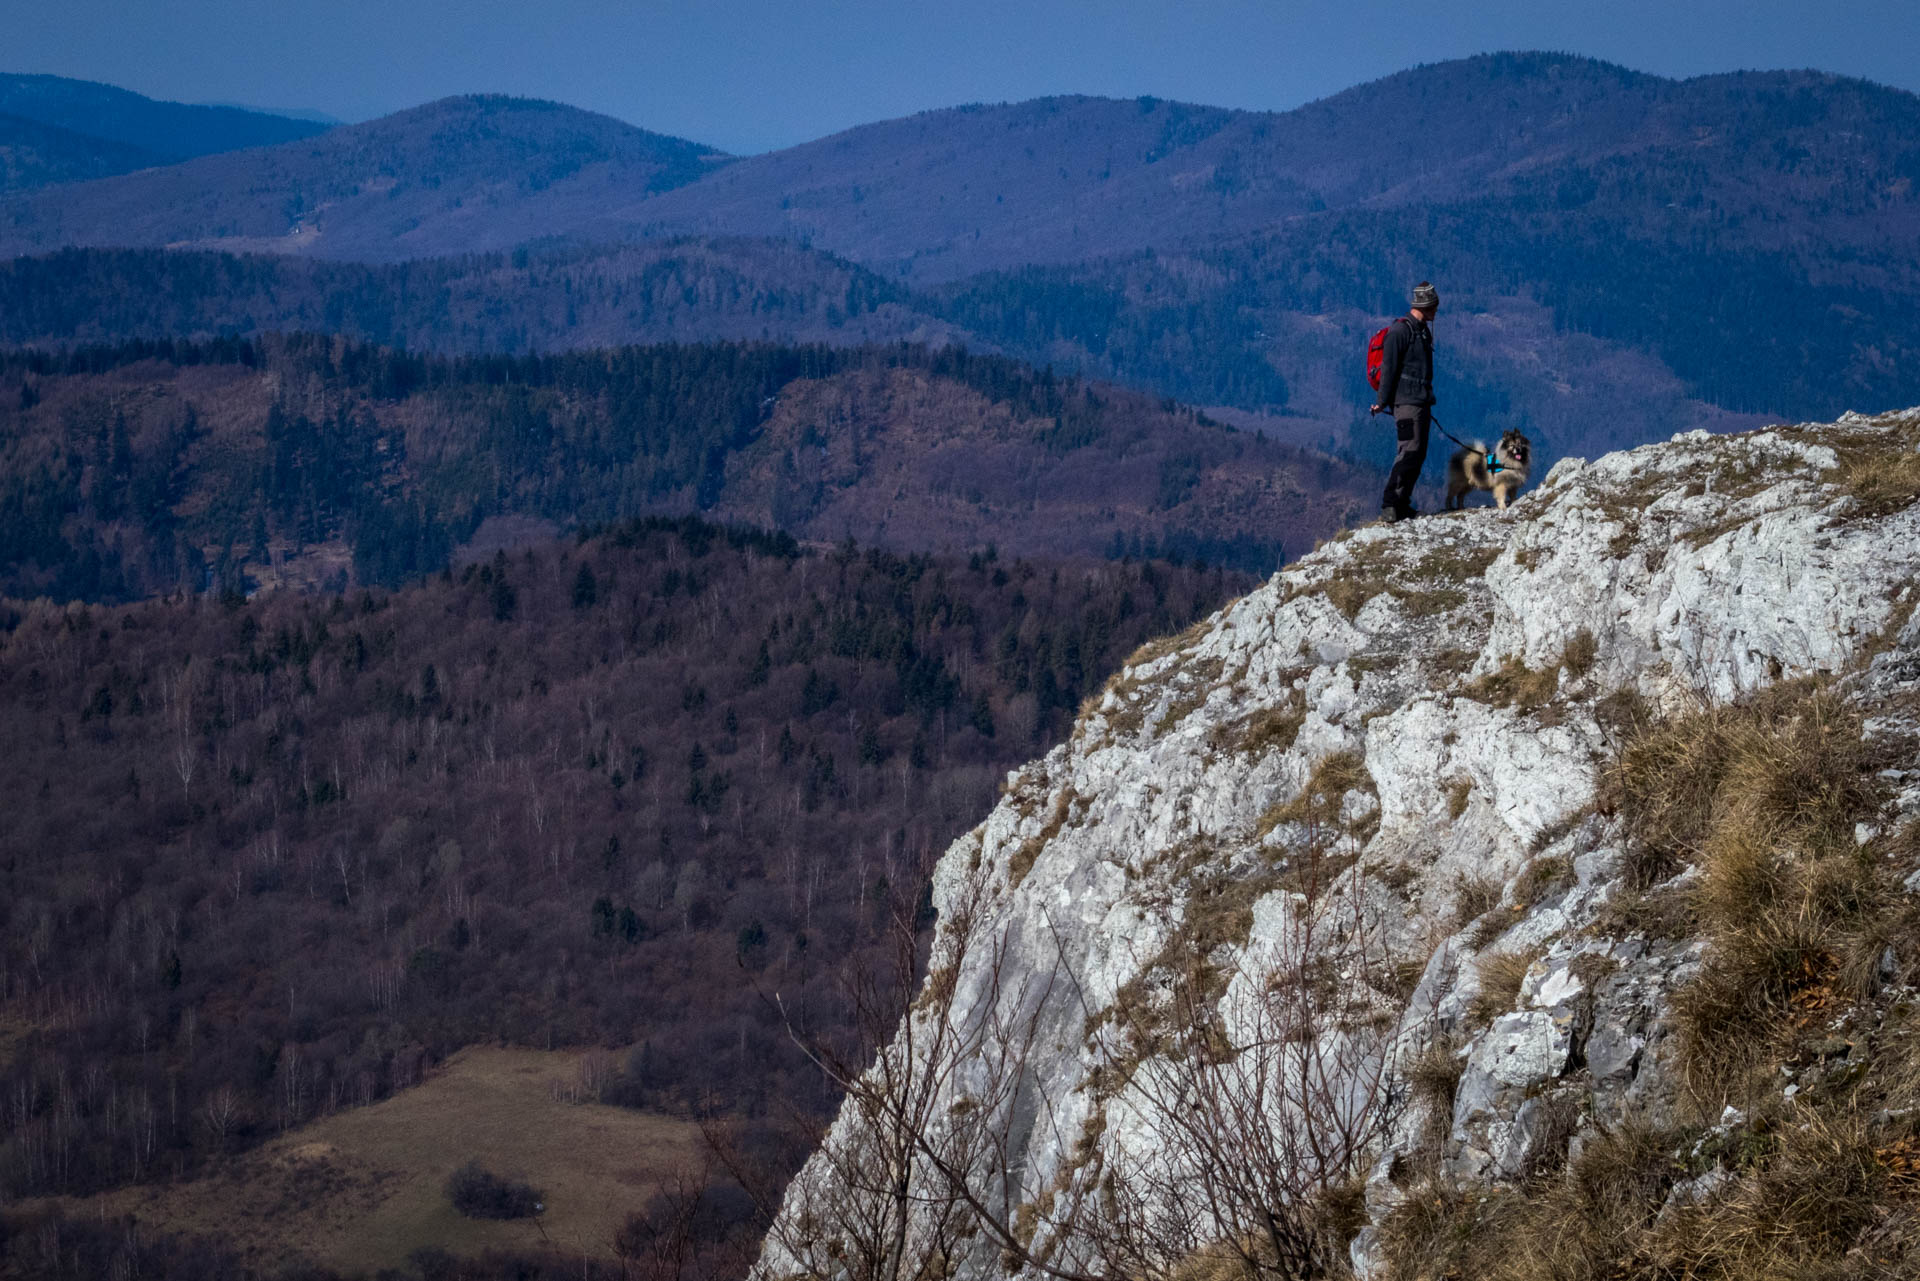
(1488, 928)
(1433, 1078)
(1348, 595)
(1318, 805)
(1763, 796)
(1444, 1232)
(1516, 685)
(1588, 1220)
(1459, 792)
(1022, 860)
(1474, 897)
(1809, 1193)
(1161, 646)
(1339, 1212)
(1452, 565)
(1429, 603)
(1269, 729)
(1656, 914)
(1580, 653)
(1216, 1262)
(1501, 975)
(1790, 755)
(1540, 880)
(1622, 713)
(1881, 470)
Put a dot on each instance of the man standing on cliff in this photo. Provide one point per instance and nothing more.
(1406, 392)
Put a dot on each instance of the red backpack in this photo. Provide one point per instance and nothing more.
(1376, 354)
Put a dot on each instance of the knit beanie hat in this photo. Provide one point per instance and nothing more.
(1424, 296)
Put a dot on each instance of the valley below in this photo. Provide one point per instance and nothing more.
(577, 704)
(362, 1190)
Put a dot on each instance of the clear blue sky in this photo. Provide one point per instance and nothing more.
(751, 75)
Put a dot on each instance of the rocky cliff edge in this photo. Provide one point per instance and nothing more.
(1398, 893)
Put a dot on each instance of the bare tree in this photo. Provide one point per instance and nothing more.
(1258, 1111)
(178, 695)
(660, 1242)
(221, 1111)
(893, 1191)
(1236, 1110)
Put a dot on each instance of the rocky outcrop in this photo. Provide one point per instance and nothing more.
(1384, 771)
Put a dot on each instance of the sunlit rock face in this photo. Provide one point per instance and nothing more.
(1376, 787)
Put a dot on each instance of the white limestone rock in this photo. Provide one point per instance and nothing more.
(1450, 672)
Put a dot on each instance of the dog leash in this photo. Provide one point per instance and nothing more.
(1449, 435)
(1493, 464)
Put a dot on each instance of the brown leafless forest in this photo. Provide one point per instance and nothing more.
(268, 859)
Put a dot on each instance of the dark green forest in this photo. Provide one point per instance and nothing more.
(158, 466)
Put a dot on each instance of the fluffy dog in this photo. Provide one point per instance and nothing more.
(1502, 470)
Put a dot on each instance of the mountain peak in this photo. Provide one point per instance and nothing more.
(548, 118)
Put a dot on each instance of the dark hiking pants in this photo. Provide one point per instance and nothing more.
(1411, 423)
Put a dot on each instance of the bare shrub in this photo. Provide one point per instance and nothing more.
(479, 1193)
(1260, 1085)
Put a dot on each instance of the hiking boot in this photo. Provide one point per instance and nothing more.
(1389, 514)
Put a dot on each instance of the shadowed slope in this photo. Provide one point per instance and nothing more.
(33, 155)
(165, 131)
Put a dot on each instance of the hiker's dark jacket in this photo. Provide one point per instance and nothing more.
(1406, 365)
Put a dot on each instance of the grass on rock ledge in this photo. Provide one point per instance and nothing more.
(1800, 920)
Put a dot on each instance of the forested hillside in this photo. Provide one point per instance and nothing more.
(1623, 256)
(268, 859)
(1199, 327)
(1560, 327)
(679, 290)
(33, 154)
(148, 468)
(481, 171)
(1751, 160)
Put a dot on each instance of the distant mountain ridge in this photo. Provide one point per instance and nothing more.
(950, 193)
(89, 130)
(467, 173)
(1624, 256)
